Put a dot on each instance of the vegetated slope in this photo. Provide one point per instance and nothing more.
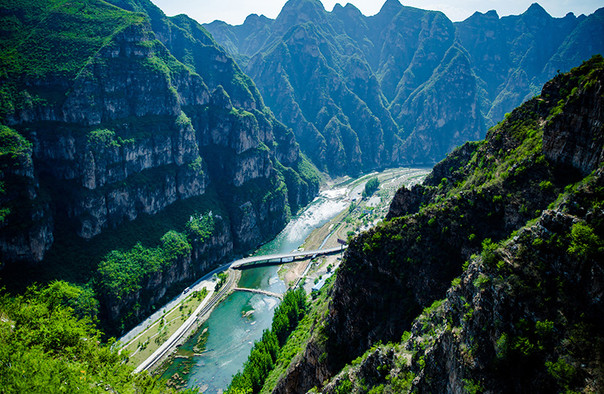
(405, 85)
(517, 218)
(119, 124)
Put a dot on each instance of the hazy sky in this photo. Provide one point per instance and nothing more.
(235, 11)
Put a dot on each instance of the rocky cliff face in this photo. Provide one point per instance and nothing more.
(520, 315)
(405, 85)
(24, 217)
(574, 137)
(153, 112)
(475, 198)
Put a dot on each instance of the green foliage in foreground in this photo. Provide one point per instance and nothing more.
(45, 347)
(265, 352)
(371, 187)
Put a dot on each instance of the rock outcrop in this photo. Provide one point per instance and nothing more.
(574, 137)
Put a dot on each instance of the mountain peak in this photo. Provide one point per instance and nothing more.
(296, 12)
(255, 19)
(302, 9)
(492, 14)
(337, 7)
(304, 3)
(535, 10)
(391, 7)
(349, 9)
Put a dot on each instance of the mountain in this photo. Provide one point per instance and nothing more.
(405, 85)
(118, 125)
(488, 277)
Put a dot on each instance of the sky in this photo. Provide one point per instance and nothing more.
(235, 11)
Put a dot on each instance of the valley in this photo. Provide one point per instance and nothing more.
(323, 201)
(319, 226)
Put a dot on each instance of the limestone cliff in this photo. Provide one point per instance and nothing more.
(123, 114)
(405, 85)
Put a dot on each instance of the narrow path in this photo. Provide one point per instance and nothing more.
(258, 291)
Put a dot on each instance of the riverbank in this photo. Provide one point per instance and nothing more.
(320, 225)
(156, 341)
(197, 318)
(362, 213)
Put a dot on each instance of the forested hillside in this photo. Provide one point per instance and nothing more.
(125, 129)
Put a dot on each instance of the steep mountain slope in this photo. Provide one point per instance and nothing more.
(405, 85)
(519, 217)
(110, 117)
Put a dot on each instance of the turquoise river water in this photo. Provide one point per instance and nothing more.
(240, 319)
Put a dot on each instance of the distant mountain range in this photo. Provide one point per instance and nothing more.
(403, 86)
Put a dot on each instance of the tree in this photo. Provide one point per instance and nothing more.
(371, 186)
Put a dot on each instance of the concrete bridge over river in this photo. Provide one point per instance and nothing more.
(278, 259)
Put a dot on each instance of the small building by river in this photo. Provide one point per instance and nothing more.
(319, 285)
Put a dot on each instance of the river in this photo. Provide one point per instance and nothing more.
(217, 351)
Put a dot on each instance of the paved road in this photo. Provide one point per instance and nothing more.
(201, 310)
(136, 331)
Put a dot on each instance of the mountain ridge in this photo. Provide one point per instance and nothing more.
(402, 48)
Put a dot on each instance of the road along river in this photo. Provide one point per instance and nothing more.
(211, 356)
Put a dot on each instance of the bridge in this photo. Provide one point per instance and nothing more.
(258, 291)
(278, 259)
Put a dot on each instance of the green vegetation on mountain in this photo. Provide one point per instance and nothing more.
(488, 271)
(47, 40)
(121, 273)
